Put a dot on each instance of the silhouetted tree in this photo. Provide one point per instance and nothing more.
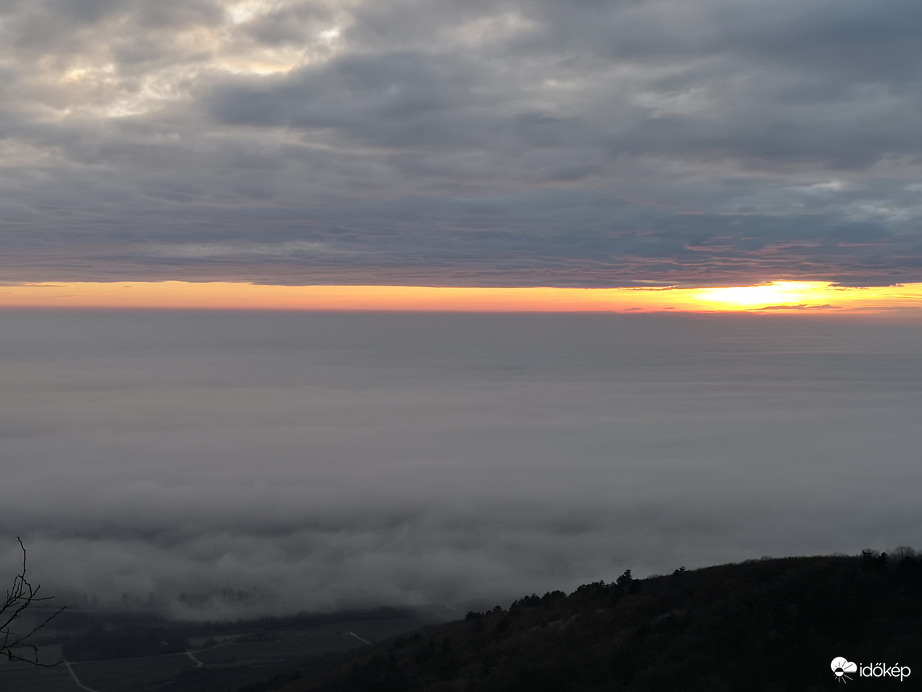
(20, 597)
(904, 554)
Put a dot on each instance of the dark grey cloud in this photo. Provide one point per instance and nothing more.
(403, 100)
(491, 142)
(321, 461)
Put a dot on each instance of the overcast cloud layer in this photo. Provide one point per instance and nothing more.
(262, 463)
(440, 142)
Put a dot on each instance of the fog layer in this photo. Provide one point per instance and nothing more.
(226, 464)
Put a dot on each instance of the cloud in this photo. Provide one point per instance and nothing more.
(801, 307)
(592, 144)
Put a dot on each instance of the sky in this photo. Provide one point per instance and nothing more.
(449, 462)
(435, 143)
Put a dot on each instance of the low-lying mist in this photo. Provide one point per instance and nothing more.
(224, 465)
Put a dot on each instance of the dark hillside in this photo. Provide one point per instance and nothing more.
(771, 624)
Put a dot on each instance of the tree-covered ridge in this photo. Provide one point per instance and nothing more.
(770, 624)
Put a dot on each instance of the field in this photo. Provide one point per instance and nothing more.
(19, 677)
(231, 661)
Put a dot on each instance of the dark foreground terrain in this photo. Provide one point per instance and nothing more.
(770, 624)
(131, 651)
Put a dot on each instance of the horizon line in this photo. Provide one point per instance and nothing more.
(775, 297)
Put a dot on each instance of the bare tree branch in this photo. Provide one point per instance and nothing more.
(21, 596)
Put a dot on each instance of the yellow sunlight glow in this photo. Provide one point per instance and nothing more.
(779, 293)
(774, 298)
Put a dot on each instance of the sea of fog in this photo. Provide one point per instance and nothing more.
(236, 464)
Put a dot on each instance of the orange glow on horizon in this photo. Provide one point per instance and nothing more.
(815, 297)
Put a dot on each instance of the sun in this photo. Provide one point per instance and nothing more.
(777, 293)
